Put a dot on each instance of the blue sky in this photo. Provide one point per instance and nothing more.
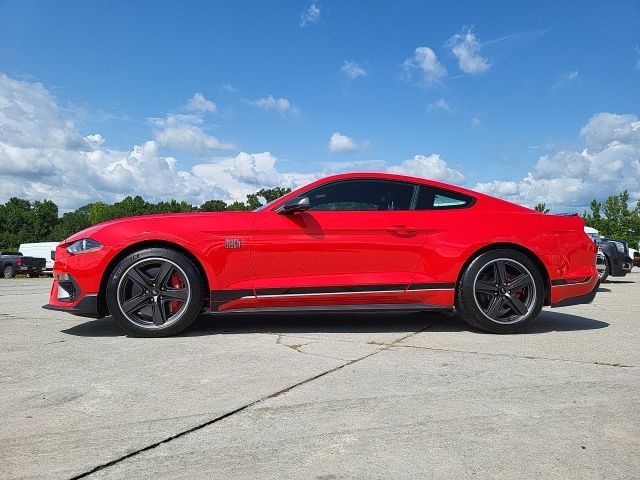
(536, 75)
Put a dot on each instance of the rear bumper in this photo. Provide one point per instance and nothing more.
(87, 306)
(578, 299)
(620, 265)
(29, 269)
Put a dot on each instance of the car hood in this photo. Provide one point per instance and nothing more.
(166, 223)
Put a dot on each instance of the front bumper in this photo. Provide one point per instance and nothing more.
(87, 306)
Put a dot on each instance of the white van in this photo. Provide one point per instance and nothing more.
(46, 250)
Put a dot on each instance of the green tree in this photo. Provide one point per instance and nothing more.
(100, 212)
(265, 195)
(172, 206)
(541, 207)
(237, 207)
(72, 222)
(253, 201)
(213, 206)
(18, 223)
(271, 194)
(614, 219)
(45, 219)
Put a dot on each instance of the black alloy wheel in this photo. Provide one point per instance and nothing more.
(500, 291)
(155, 292)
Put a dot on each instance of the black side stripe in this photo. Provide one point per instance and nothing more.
(220, 297)
(432, 286)
(573, 281)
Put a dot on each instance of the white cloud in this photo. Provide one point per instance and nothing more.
(567, 79)
(95, 140)
(466, 48)
(311, 15)
(270, 102)
(432, 167)
(569, 179)
(352, 70)
(228, 88)
(440, 104)
(29, 118)
(340, 143)
(606, 128)
(198, 103)
(42, 155)
(425, 61)
(247, 172)
(181, 132)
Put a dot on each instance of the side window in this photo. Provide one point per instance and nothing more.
(363, 195)
(437, 199)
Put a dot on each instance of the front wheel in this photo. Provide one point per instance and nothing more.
(155, 292)
(501, 291)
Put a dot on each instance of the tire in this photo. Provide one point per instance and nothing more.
(607, 270)
(501, 291)
(155, 292)
(9, 272)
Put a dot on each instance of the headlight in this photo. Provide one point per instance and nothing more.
(619, 246)
(86, 245)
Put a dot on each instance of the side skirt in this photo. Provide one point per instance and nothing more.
(399, 307)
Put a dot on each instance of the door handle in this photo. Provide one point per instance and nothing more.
(404, 231)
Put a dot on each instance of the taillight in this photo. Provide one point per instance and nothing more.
(19, 261)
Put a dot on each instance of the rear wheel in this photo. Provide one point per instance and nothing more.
(155, 292)
(501, 291)
(9, 272)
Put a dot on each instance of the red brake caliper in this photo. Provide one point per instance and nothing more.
(176, 282)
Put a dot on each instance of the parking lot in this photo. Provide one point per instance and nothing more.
(386, 395)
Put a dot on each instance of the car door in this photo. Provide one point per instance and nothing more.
(359, 242)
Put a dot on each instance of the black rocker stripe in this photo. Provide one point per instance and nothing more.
(573, 281)
(432, 286)
(219, 297)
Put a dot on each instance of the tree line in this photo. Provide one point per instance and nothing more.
(614, 219)
(24, 221)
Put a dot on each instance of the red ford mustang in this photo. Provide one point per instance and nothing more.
(352, 241)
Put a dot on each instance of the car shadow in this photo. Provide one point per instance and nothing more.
(371, 322)
(619, 281)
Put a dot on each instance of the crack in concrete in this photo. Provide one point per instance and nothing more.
(243, 407)
(293, 346)
(510, 355)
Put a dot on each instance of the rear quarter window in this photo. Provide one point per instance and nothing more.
(437, 199)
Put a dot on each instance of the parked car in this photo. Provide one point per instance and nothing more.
(617, 261)
(601, 261)
(621, 245)
(46, 250)
(12, 263)
(348, 242)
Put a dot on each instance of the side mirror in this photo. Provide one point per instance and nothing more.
(297, 204)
